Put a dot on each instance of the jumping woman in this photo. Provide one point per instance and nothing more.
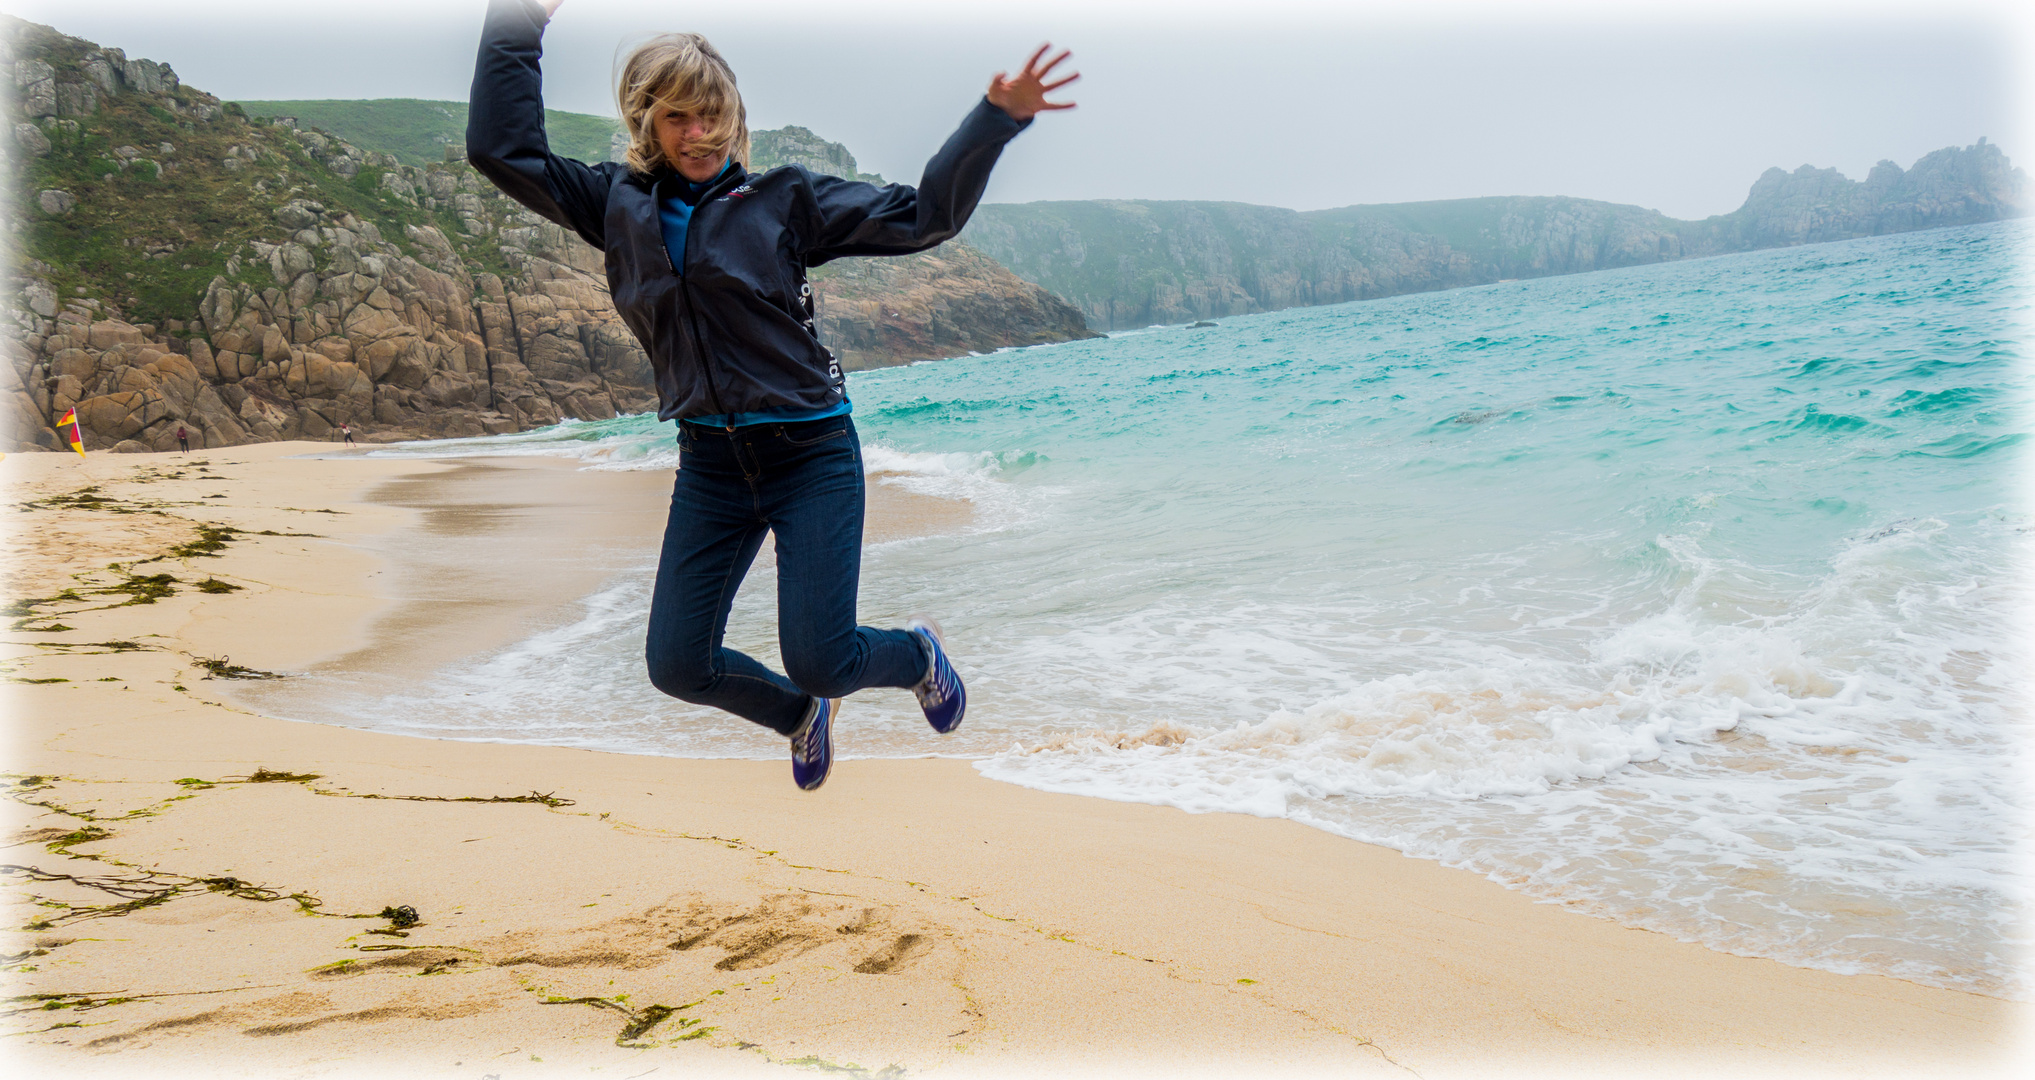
(707, 265)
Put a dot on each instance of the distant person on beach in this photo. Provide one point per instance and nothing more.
(707, 264)
(346, 432)
(183, 440)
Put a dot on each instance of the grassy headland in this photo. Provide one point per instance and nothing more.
(418, 131)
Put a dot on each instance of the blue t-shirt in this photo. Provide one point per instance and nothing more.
(674, 210)
(674, 213)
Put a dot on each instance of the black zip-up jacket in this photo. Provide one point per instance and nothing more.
(735, 332)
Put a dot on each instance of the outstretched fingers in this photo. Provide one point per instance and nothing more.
(1048, 87)
(1032, 67)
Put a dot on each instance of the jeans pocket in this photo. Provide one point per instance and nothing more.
(812, 433)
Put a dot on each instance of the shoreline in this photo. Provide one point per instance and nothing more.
(912, 912)
(504, 548)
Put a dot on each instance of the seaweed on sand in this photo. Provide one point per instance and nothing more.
(223, 667)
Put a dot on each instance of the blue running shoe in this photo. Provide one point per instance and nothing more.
(940, 693)
(812, 745)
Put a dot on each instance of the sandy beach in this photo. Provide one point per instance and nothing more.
(197, 889)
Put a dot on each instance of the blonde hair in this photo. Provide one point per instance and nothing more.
(679, 73)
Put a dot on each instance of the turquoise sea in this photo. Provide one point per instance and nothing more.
(1692, 596)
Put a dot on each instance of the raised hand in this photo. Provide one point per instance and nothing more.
(550, 6)
(1025, 96)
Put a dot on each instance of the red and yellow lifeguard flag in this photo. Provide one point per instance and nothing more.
(67, 430)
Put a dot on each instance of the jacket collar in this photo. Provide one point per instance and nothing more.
(731, 176)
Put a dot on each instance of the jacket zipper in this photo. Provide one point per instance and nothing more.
(691, 317)
(693, 328)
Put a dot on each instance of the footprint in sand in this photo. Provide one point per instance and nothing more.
(788, 924)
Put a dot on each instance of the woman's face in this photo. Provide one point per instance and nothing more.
(678, 133)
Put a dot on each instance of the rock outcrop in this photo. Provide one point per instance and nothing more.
(795, 145)
(947, 302)
(1952, 186)
(354, 331)
(183, 265)
(1128, 264)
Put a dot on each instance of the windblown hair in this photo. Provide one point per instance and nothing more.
(680, 73)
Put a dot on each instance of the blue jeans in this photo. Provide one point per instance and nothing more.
(803, 482)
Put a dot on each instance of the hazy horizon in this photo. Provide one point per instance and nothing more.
(1300, 105)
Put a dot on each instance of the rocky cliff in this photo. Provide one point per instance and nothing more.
(1128, 264)
(174, 262)
(873, 312)
(1952, 186)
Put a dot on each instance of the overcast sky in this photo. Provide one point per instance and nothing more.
(1676, 106)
